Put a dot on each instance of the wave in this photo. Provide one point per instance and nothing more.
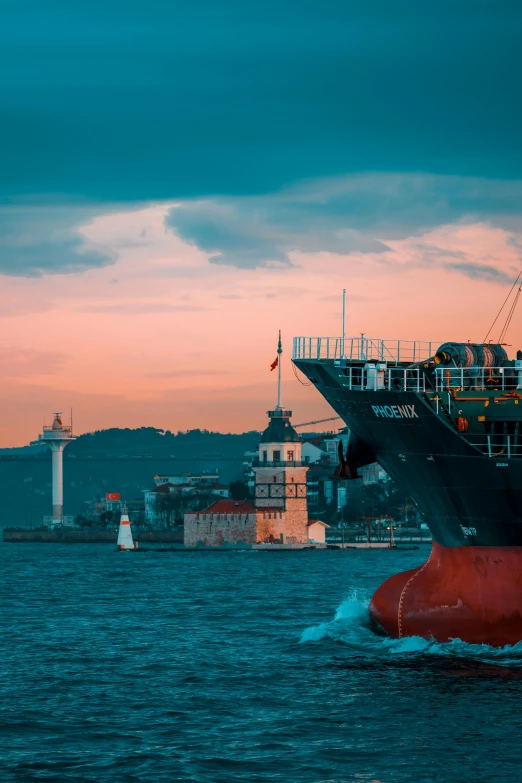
(353, 627)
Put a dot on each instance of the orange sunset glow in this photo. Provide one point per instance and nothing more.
(162, 337)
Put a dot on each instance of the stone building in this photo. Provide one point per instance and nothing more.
(278, 514)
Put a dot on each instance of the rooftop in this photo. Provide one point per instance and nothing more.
(165, 488)
(316, 522)
(231, 506)
(279, 429)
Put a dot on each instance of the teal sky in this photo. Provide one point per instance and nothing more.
(110, 101)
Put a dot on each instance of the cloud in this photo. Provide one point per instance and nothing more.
(13, 308)
(122, 243)
(489, 274)
(349, 297)
(40, 240)
(434, 253)
(142, 308)
(188, 373)
(173, 271)
(262, 232)
(343, 215)
(24, 362)
(349, 216)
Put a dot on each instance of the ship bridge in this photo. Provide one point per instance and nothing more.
(475, 389)
(365, 363)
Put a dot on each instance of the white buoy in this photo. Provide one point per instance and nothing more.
(124, 533)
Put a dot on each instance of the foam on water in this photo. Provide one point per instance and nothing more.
(352, 626)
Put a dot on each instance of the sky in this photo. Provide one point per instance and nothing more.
(180, 180)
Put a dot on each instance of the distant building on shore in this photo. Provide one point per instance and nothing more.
(175, 494)
(188, 479)
(317, 531)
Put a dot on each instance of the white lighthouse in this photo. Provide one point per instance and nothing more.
(57, 437)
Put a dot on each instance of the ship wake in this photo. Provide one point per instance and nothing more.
(352, 627)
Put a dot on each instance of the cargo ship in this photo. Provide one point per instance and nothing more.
(445, 422)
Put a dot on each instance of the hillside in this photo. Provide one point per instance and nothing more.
(114, 460)
(148, 441)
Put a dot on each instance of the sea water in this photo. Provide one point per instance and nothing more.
(237, 666)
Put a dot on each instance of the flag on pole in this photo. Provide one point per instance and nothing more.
(274, 364)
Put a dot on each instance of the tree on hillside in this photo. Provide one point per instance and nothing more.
(171, 505)
(203, 499)
(110, 518)
(239, 490)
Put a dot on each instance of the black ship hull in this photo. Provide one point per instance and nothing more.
(465, 497)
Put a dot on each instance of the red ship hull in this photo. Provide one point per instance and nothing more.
(469, 593)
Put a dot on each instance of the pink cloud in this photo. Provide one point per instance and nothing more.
(19, 362)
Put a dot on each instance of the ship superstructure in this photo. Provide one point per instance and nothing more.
(445, 422)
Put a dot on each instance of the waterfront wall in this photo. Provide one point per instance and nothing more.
(89, 536)
(288, 527)
(230, 528)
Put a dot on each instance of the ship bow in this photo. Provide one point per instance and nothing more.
(469, 593)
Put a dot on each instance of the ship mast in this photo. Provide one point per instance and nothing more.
(343, 356)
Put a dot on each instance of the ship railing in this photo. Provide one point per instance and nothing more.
(374, 378)
(500, 447)
(55, 434)
(476, 378)
(362, 349)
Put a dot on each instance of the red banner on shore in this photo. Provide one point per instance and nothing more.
(112, 496)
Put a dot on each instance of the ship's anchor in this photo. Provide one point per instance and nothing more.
(358, 454)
